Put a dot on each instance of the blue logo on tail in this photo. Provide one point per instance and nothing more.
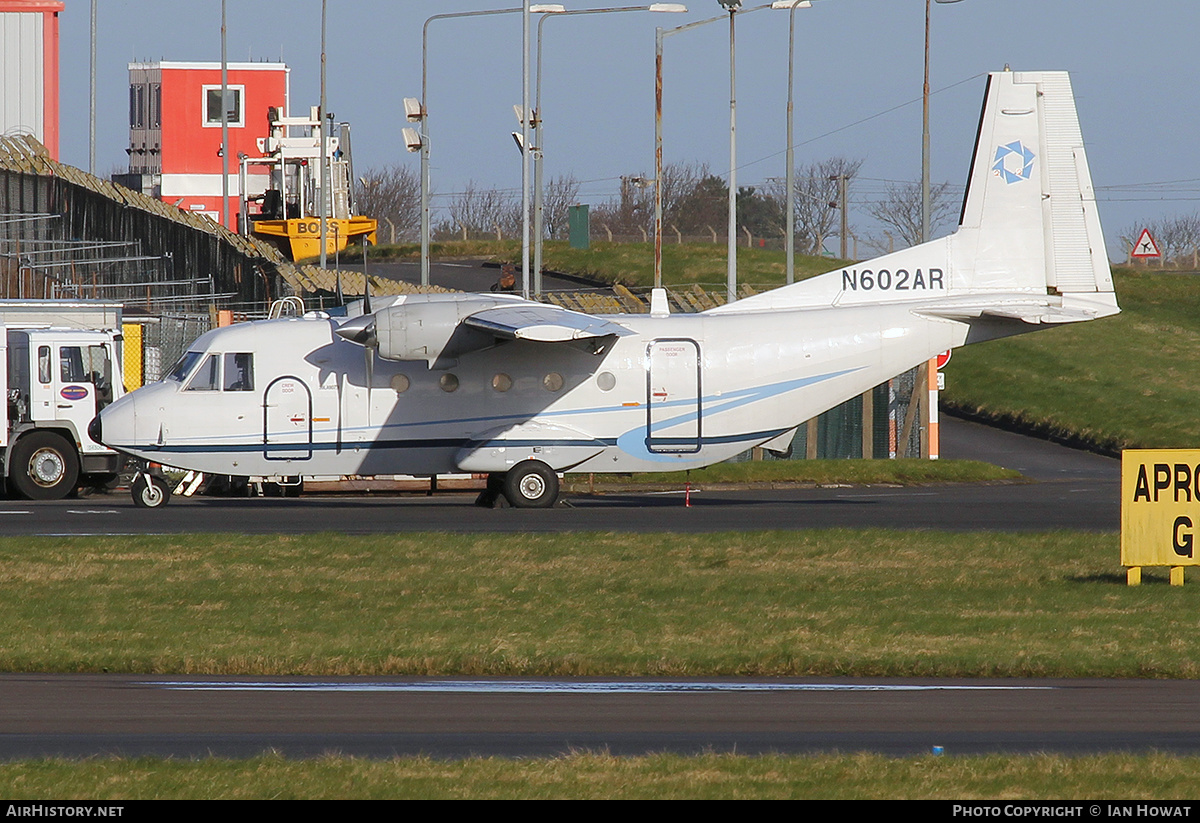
(1013, 162)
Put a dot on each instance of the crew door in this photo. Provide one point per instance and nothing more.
(287, 420)
(673, 400)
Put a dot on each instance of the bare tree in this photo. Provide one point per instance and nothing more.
(557, 198)
(481, 211)
(901, 210)
(679, 181)
(816, 199)
(392, 195)
(632, 213)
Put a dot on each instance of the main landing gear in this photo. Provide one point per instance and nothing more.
(530, 484)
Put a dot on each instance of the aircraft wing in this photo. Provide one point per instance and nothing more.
(542, 324)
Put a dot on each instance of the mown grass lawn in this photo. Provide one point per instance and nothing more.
(836, 602)
(1130, 381)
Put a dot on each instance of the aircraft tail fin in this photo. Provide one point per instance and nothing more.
(1029, 227)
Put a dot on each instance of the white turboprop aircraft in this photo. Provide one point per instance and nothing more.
(523, 391)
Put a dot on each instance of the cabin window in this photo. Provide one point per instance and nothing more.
(553, 381)
(448, 382)
(502, 382)
(239, 372)
(606, 380)
(44, 375)
(70, 360)
(205, 378)
(99, 374)
(400, 383)
(184, 367)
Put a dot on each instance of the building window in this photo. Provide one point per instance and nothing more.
(155, 106)
(137, 107)
(212, 105)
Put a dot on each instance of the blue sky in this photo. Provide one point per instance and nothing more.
(858, 70)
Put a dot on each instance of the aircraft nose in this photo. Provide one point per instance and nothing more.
(115, 424)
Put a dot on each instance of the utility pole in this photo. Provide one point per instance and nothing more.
(842, 205)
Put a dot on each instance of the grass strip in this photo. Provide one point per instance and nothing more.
(1120, 777)
(829, 602)
(631, 264)
(901, 472)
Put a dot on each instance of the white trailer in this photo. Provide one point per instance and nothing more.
(61, 365)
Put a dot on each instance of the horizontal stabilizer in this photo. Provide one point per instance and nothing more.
(542, 324)
(1028, 309)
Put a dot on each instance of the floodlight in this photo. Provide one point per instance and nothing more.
(413, 109)
(412, 139)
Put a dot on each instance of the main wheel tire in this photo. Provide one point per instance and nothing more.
(531, 484)
(44, 466)
(150, 491)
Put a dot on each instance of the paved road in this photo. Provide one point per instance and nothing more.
(82, 715)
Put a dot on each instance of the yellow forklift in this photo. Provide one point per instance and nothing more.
(289, 209)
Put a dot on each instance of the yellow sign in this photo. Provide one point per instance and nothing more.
(1160, 507)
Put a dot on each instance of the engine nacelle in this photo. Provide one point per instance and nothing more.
(429, 328)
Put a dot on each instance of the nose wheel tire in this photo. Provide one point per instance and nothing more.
(44, 467)
(531, 484)
(149, 491)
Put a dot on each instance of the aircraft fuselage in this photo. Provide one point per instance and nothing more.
(681, 392)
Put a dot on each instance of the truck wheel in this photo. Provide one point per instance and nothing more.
(44, 466)
(531, 484)
(149, 491)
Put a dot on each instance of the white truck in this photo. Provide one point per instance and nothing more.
(62, 364)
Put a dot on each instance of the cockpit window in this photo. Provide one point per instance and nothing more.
(239, 372)
(205, 378)
(184, 366)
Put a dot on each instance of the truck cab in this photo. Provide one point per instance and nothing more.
(58, 380)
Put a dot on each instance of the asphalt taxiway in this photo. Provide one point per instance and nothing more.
(86, 715)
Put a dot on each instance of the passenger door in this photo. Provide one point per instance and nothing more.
(673, 399)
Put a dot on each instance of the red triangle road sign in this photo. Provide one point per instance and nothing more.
(1145, 246)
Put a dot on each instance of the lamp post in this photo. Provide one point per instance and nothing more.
(790, 177)
(733, 7)
(536, 122)
(418, 111)
(925, 130)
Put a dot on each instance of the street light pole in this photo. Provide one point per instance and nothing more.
(322, 200)
(538, 154)
(925, 131)
(423, 117)
(661, 35)
(790, 176)
(731, 241)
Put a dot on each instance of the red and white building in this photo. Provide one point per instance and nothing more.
(29, 69)
(175, 130)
